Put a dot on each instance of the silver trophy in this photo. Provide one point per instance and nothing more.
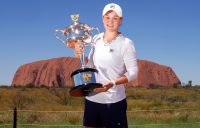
(79, 34)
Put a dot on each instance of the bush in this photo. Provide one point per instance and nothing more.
(20, 100)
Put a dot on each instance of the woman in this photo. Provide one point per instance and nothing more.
(114, 56)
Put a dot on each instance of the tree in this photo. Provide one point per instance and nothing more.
(189, 83)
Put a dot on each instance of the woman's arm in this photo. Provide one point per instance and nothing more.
(110, 84)
(130, 61)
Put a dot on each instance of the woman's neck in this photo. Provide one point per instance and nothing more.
(109, 36)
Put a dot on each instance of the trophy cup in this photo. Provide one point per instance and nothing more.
(80, 34)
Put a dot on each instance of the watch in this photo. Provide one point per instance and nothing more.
(114, 84)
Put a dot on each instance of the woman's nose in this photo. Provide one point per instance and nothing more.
(110, 21)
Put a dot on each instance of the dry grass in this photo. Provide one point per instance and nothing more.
(145, 105)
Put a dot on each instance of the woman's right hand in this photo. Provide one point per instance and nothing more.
(79, 49)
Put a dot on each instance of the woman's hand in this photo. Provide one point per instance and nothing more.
(79, 49)
(104, 88)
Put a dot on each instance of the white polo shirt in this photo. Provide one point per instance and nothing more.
(112, 61)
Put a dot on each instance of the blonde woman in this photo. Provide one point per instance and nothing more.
(114, 56)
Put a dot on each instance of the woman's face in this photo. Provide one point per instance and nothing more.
(111, 21)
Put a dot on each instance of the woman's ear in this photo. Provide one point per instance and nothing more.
(121, 19)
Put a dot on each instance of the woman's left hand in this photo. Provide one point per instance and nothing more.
(104, 88)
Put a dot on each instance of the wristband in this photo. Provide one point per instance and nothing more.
(114, 84)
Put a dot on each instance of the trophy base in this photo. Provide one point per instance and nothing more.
(84, 82)
(84, 90)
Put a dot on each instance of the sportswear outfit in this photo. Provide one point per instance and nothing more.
(112, 60)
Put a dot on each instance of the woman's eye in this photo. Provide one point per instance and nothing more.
(115, 18)
(107, 18)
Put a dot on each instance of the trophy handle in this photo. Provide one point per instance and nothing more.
(90, 29)
(91, 43)
(60, 36)
(97, 29)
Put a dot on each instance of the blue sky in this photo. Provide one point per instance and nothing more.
(164, 31)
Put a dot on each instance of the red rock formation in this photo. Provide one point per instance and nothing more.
(57, 71)
(52, 72)
(153, 74)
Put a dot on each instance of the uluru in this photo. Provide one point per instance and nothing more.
(56, 72)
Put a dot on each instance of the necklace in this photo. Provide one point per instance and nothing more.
(108, 42)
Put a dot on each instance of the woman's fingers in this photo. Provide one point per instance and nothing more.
(79, 49)
(103, 89)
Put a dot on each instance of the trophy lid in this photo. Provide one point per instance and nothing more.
(75, 18)
(77, 31)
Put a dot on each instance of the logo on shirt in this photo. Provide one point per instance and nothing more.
(111, 50)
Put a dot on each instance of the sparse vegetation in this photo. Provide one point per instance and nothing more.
(146, 105)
